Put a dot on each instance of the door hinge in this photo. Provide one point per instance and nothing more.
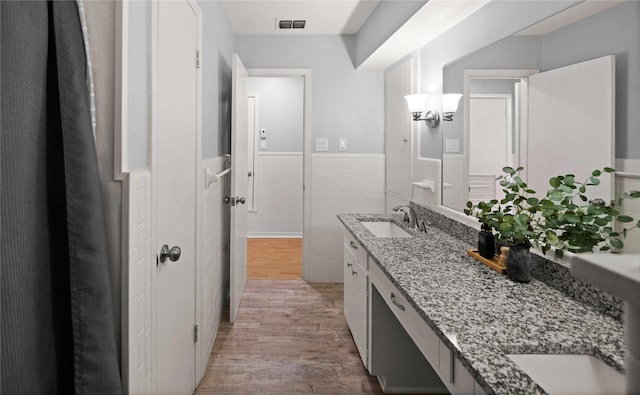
(195, 333)
(197, 59)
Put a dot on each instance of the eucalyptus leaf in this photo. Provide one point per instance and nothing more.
(616, 243)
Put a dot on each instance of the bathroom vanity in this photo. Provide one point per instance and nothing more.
(425, 317)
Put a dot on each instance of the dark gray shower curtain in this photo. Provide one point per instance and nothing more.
(57, 324)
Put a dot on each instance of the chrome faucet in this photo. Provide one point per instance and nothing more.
(414, 218)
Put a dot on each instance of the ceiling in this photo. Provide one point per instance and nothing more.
(322, 16)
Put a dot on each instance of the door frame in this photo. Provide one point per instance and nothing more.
(153, 163)
(306, 155)
(492, 74)
(253, 152)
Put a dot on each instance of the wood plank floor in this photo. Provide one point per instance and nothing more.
(274, 258)
(290, 337)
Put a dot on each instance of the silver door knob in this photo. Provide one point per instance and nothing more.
(172, 254)
(240, 200)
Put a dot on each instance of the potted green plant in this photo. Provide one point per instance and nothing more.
(569, 221)
(564, 220)
(512, 220)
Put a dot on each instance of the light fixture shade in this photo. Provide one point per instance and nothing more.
(417, 102)
(450, 102)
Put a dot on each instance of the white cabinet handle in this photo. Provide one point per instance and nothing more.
(353, 245)
(394, 300)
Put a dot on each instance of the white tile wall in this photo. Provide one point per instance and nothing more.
(137, 285)
(213, 277)
(626, 182)
(453, 193)
(340, 184)
(427, 169)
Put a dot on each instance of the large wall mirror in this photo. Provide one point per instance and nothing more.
(514, 115)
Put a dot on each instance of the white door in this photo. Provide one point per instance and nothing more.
(576, 100)
(239, 183)
(175, 182)
(490, 144)
(398, 135)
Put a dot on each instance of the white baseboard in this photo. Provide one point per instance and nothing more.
(275, 235)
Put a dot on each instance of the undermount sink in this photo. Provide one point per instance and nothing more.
(571, 373)
(385, 229)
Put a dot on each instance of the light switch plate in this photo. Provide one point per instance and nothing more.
(342, 144)
(322, 144)
(263, 144)
(452, 145)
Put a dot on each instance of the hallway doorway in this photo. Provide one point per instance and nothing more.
(278, 127)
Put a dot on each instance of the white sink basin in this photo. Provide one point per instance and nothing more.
(385, 229)
(571, 374)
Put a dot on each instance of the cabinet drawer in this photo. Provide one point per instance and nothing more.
(457, 379)
(352, 244)
(422, 335)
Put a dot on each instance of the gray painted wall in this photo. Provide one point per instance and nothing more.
(345, 102)
(280, 112)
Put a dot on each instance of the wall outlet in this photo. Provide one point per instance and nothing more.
(263, 144)
(342, 144)
(322, 144)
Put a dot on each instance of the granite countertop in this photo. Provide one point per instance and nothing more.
(482, 315)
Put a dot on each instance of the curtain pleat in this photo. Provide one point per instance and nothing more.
(57, 324)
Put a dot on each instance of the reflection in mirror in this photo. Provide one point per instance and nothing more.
(565, 116)
(474, 155)
(493, 135)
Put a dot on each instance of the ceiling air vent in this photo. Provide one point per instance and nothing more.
(290, 24)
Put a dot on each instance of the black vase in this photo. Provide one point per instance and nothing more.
(519, 264)
(486, 242)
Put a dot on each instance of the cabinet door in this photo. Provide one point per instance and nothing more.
(355, 301)
(359, 321)
(349, 291)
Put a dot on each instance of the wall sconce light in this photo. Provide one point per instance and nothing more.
(418, 102)
(450, 105)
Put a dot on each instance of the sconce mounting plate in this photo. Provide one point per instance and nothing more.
(432, 119)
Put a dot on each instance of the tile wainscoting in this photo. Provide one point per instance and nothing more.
(340, 184)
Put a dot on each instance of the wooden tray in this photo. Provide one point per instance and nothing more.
(492, 263)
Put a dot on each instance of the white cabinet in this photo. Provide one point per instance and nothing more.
(356, 293)
(449, 370)
(395, 343)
